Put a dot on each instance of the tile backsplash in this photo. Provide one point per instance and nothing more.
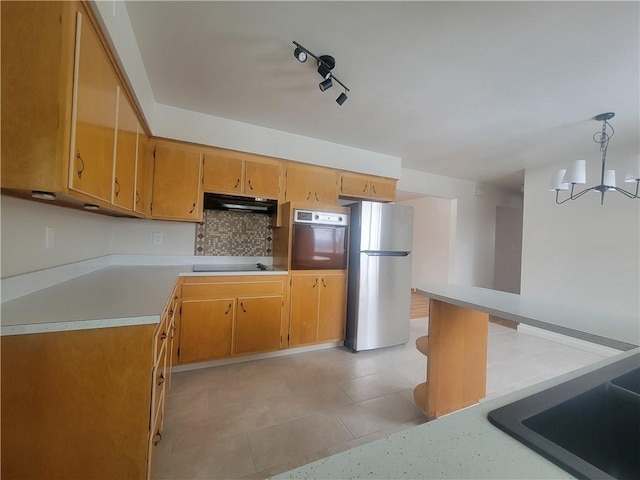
(227, 233)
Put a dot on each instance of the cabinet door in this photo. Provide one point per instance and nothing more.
(206, 329)
(95, 88)
(258, 324)
(223, 174)
(354, 185)
(310, 184)
(126, 154)
(383, 189)
(332, 308)
(144, 176)
(176, 184)
(326, 190)
(303, 327)
(262, 179)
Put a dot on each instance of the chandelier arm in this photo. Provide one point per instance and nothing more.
(627, 193)
(581, 193)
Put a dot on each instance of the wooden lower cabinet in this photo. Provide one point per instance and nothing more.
(206, 329)
(224, 316)
(318, 307)
(84, 403)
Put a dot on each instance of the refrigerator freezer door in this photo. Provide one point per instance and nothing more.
(384, 301)
(386, 227)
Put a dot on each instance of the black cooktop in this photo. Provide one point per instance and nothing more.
(232, 267)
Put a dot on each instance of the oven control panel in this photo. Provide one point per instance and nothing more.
(320, 218)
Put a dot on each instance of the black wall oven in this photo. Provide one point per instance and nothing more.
(319, 240)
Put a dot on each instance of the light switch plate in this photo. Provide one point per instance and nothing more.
(157, 238)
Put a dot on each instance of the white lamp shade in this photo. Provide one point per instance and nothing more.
(577, 173)
(610, 178)
(557, 181)
(633, 173)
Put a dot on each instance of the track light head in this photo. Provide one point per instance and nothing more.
(327, 83)
(325, 65)
(300, 54)
(341, 99)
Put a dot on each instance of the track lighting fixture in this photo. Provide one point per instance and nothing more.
(300, 54)
(326, 83)
(326, 64)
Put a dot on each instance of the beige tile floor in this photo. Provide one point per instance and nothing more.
(260, 418)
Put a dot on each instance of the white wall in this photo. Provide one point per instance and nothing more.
(433, 239)
(582, 253)
(475, 222)
(78, 236)
(135, 236)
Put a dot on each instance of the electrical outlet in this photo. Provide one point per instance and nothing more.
(157, 238)
(49, 237)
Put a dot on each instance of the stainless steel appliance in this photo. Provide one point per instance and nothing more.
(319, 240)
(379, 291)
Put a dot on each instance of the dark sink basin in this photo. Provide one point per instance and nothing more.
(590, 426)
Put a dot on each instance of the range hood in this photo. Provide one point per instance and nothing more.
(214, 201)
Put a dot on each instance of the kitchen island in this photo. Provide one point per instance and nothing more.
(456, 446)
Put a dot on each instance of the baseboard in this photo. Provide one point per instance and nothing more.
(259, 356)
(569, 341)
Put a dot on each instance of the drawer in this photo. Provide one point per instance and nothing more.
(191, 291)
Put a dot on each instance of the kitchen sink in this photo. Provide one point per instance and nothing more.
(590, 426)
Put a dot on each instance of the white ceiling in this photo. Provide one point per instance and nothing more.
(472, 90)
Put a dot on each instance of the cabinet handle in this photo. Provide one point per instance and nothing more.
(117, 192)
(237, 183)
(309, 196)
(250, 186)
(163, 336)
(242, 307)
(324, 284)
(341, 182)
(137, 197)
(161, 379)
(373, 187)
(228, 310)
(156, 439)
(192, 208)
(315, 284)
(364, 189)
(82, 167)
(317, 199)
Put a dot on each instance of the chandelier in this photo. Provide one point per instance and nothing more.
(576, 175)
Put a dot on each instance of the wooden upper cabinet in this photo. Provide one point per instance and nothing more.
(126, 154)
(352, 184)
(310, 184)
(366, 186)
(144, 176)
(93, 117)
(383, 188)
(223, 174)
(262, 179)
(177, 173)
(241, 174)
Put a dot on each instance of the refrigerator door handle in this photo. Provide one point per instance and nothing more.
(381, 253)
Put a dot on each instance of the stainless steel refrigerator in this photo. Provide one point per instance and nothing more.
(379, 289)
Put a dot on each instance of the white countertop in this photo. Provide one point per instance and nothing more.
(622, 333)
(460, 445)
(116, 295)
